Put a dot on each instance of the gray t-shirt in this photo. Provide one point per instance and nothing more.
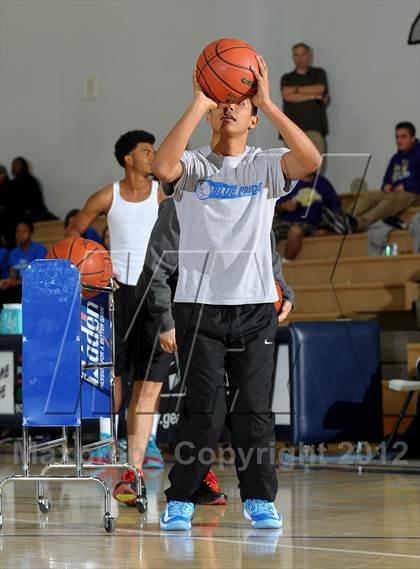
(225, 213)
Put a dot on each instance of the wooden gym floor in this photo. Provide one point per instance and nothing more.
(332, 520)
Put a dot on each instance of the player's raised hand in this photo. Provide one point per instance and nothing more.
(261, 75)
(199, 94)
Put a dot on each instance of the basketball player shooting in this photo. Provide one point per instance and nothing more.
(225, 319)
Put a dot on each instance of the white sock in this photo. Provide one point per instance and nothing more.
(105, 426)
(155, 425)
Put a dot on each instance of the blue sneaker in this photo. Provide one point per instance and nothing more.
(177, 516)
(153, 457)
(262, 514)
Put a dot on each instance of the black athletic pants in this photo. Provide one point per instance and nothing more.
(237, 340)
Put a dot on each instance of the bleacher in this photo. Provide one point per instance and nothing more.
(333, 277)
(49, 232)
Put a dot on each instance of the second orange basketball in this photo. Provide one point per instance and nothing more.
(223, 70)
(91, 259)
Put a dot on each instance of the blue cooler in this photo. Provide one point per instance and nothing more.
(11, 319)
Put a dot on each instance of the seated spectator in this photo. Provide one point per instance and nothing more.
(4, 260)
(7, 224)
(90, 233)
(401, 185)
(24, 252)
(28, 201)
(4, 187)
(305, 212)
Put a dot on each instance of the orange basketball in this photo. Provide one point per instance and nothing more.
(92, 260)
(223, 70)
(280, 300)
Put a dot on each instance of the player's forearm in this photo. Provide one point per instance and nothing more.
(171, 150)
(302, 147)
(78, 225)
(72, 232)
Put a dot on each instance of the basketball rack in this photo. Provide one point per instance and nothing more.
(64, 379)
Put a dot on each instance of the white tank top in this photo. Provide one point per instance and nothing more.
(130, 225)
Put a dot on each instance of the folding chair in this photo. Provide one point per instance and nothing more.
(410, 386)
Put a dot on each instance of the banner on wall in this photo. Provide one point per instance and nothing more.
(7, 383)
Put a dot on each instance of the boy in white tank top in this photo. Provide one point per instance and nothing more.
(132, 208)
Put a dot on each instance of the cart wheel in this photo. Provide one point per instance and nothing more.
(109, 523)
(44, 505)
(141, 505)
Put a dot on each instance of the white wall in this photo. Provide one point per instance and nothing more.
(143, 53)
(374, 76)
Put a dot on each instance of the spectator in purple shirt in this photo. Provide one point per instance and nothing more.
(305, 212)
(400, 188)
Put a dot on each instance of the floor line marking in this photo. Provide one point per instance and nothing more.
(141, 532)
(286, 546)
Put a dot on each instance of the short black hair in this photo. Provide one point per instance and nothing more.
(23, 162)
(254, 110)
(71, 213)
(128, 141)
(302, 44)
(27, 222)
(408, 125)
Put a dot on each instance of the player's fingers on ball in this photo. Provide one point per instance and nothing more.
(260, 64)
(264, 72)
(255, 72)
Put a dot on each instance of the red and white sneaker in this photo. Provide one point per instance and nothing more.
(125, 490)
(209, 492)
